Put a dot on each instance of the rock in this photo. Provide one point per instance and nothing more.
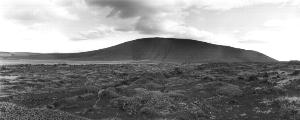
(178, 94)
(203, 93)
(153, 86)
(87, 96)
(243, 115)
(232, 102)
(64, 103)
(10, 111)
(199, 86)
(122, 87)
(113, 118)
(154, 100)
(222, 88)
(130, 105)
(252, 78)
(298, 87)
(148, 112)
(108, 93)
(295, 73)
(87, 110)
(269, 90)
(230, 90)
(140, 90)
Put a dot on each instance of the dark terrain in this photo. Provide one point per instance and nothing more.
(216, 91)
(156, 50)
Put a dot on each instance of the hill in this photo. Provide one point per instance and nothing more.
(162, 50)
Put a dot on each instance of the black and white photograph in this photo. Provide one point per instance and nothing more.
(149, 60)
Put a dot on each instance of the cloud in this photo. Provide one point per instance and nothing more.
(252, 41)
(163, 17)
(48, 25)
(155, 17)
(39, 37)
(288, 23)
(276, 30)
(137, 8)
(47, 38)
(101, 31)
(35, 11)
(124, 8)
(280, 38)
(230, 4)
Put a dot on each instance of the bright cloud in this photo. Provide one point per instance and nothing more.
(229, 4)
(281, 37)
(35, 11)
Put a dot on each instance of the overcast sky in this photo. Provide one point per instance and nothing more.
(268, 26)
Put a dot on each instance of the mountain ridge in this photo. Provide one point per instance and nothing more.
(162, 50)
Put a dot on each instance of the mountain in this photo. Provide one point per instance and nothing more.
(162, 50)
(11, 55)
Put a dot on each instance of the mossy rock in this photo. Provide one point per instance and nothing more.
(108, 93)
(10, 111)
(222, 88)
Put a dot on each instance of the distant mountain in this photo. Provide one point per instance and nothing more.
(162, 50)
(12, 55)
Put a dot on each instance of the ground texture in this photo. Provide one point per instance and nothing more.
(222, 91)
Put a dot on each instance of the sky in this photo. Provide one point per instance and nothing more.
(63, 26)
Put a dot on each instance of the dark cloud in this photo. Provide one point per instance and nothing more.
(124, 8)
(154, 17)
(149, 15)
(147, 25)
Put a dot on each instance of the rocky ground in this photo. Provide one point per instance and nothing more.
(221, 91)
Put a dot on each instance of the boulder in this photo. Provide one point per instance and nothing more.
(108, 93)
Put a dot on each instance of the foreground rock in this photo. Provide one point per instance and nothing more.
(9, 111)
(220, 91)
